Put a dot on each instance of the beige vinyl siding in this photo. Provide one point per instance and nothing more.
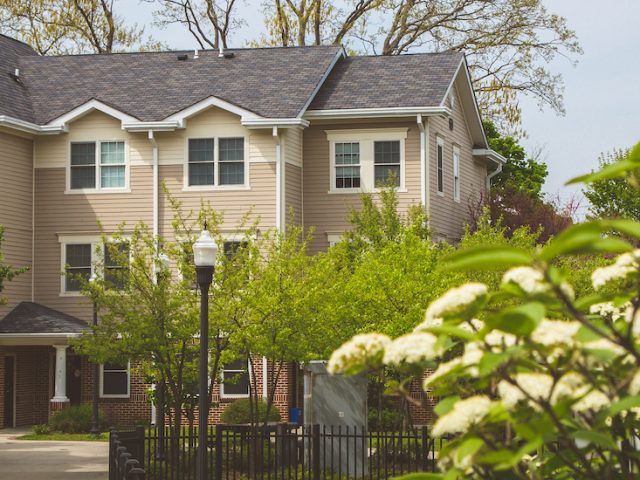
(16, 181)
(293, 175)
(328, 213)
(448, 217)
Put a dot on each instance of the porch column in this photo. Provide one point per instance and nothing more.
(60, 395)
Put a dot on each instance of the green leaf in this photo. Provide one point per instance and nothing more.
(469, 447)
(626, 403)
(625, 226)
(497, 456)
(453, 331)
(420, 476)
(490, 361)
(586, 335)
(445, 405)
(614, 170)
(594, 437)
(520, 320)
(584, 238)
(487, 257)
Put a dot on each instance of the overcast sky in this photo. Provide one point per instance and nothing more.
(602, 95)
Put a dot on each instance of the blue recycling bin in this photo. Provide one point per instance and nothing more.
(295, 414)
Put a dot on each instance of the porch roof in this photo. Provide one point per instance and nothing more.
(30, 318)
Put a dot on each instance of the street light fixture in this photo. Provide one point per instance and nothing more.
(205, 252)
(95, 427)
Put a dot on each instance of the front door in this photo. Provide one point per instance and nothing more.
(74, 375)
(9, 390)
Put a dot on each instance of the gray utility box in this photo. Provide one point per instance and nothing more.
(339, 405)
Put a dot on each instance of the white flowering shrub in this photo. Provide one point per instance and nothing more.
(534, 382)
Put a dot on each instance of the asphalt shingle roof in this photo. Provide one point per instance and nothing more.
(416, 80)
(14, 99)
(28, 317)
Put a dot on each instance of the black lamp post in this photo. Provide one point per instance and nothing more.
(205, 251)
(163, 265)
(95, 427)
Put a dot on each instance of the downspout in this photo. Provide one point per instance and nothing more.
(154, 146)
(424, 164)
(493, 174)
(279, 182)
(33, 222)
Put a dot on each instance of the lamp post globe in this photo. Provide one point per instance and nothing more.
(205, 251)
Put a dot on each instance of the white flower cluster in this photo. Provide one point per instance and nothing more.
(530, 386)
(443, 369)
(412, 348)
(591, 401)
(609, 310)
(358, 352)
(456, 300)
(428, 323)
(499, 341)
(567, 386)
(624, 265)
(532, 281)
(555, 332)
(464, 414)
(634, 386)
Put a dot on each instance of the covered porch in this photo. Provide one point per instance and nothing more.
(39, 372)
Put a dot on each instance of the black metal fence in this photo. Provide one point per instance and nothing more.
(125, 451)
(286, 452)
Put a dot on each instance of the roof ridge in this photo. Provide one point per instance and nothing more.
(409, 54)
(18, 41)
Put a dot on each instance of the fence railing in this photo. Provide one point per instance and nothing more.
(287, 452)
(125, 451)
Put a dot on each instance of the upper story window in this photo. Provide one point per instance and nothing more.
(456, 174)
(230, 247)
(98, 166)
(440, 165)
(363, 160)
(114, 271)
(216, 162)
(387, 162)
(78, 265)
(235, 379)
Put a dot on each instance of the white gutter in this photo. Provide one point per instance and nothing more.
(279, 182)
(387, 112)
(274, 122)
(28, 127)
(166, 126)
(39, 335)
(154, 146)
(493, 174)
(493, 156)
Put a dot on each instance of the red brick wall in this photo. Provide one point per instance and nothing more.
(422, 415)
(2, 388)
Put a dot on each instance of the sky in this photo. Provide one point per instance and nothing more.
(602, 91)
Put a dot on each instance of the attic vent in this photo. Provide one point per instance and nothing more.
(451, 124)
(228, 55)
(183, 57)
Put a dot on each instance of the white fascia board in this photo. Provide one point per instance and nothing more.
(162, 126)
(88, 107)
(209, 102)
(39, 335)
(341, 54)
(490, 154)
(465, 68)
(274, 122)
(387, 112)
(28, 127)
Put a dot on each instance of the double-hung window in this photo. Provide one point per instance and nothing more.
(440, 165)
(78, 265)
(98, 166)
(387, 162)
(115, 272)
(347, 160)
(216, 162)
(456, 174)
(235, 379)
(115, 380)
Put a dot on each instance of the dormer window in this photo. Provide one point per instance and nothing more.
(97, 166)
(215, 162)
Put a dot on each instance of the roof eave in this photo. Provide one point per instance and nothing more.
(385, 112)
(29, 127)
(490, 155)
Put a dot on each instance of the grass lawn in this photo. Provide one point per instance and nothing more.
(66, 437)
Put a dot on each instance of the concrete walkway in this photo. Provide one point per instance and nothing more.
(29, 460)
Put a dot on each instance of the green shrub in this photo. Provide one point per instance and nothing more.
(240, 412)
(75, 419)
(41, 429)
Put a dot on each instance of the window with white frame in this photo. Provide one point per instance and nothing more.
(387, 162)
(230, 247)
(115, 380)
(456, 174)
(235, 379)
(216, 162)
(364, 159)
(98, 166)
(347, 160)
(115, 256)
(78, 265)
(440, 165)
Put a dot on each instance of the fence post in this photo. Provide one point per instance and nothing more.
(218, 442)
(112, 473)
(425, 449)
(315, 451)
(139, 453)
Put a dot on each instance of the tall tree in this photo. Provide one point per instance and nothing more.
(614, 197)
(509, 43)
(7, 272)
(71, 26)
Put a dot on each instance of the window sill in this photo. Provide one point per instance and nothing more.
(440, 194)
(351, 191)
(232, 397)
(86, 191)
(107, 397)
(218, 188)
(70, 294)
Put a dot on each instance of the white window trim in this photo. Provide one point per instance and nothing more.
(455, 158)
(366, 138)
(235, 395)
(98, 189)
(216, 177)
(440, 143)
(95, 241)
(334, 238)
(128, 394)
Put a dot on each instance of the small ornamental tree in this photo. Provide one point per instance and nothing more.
(536, 381)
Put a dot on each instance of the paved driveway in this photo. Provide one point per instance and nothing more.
(27, 460)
